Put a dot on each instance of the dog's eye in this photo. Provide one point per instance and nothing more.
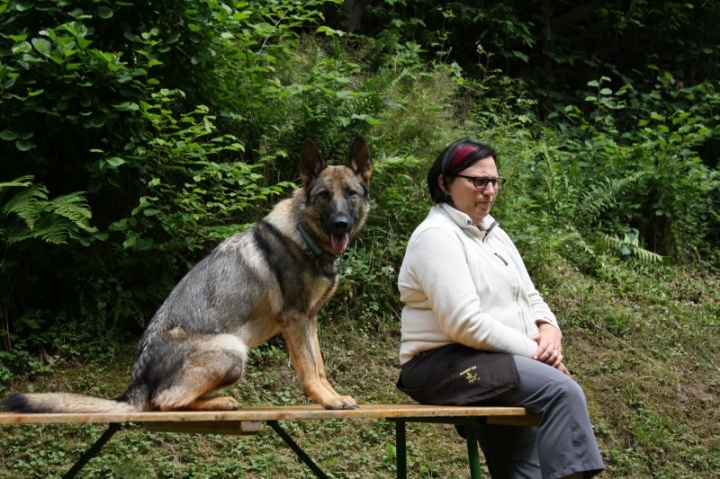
(324, 195)
(352, 193)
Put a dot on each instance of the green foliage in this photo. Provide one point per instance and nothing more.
(29, 214)
(556, 47)
(613, 179)
(184, 185)
(76, 83)
(105, 106)
(658, 153)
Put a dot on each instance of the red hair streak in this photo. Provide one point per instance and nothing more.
(461, 154)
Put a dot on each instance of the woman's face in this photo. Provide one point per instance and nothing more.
(475, 203)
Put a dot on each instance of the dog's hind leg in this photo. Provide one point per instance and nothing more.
(209, 363)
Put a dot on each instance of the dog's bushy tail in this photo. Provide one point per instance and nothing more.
(63, 403)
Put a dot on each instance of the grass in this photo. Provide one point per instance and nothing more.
(642, 343)
(352, 449)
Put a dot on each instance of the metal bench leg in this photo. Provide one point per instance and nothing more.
(93, 450)
(400, 449)
(297, 449)
(472, 447)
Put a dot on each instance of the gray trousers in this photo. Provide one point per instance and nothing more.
(563, 443)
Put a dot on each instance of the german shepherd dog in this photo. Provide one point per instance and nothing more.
(270, 279)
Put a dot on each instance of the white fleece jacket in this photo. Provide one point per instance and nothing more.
(469, 285)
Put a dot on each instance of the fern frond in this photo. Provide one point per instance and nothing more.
(27, 204)
(629, 247)
(56, 233)
(647, 256)
(23, 181)
(34, 216)
(602, 195)
(73, 207)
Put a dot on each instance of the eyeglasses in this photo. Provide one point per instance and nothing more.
(481, 182)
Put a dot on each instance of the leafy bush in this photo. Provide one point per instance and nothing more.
(666, 186)
(123, 112)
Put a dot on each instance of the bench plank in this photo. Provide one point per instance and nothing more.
(273, 413)
(248, 420)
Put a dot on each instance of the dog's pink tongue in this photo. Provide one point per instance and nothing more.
(339, 242)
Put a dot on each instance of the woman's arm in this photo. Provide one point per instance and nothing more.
(549, 336)
(541, 310)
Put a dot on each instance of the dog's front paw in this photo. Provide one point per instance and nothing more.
(341, 402)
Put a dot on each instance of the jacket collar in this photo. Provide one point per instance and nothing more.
(464, 221)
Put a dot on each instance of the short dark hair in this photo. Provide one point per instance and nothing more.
(453, 159)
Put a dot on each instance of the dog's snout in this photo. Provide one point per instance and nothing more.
(341, 223)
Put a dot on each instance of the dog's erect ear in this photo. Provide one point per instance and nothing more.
(312, 163)
(359, 160)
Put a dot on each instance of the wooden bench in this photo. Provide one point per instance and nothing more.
(248, 420)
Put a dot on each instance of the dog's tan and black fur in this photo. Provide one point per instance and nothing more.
(270, 279)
